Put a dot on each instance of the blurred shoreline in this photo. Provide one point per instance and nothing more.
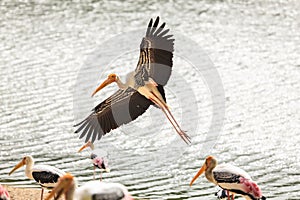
(22, 193)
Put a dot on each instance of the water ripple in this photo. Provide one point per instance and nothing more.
(252, 44)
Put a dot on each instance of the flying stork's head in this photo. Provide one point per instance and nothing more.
(66, 185)
(210, 163)
(26, 160)
(110, 79)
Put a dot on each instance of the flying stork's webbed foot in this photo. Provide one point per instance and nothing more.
(151, 92)
(170, 117)
(186, 138)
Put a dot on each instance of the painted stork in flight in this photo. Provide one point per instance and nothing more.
(90, 190)
(144, 87)
(45, 175)
(98, 161)
(230, 178)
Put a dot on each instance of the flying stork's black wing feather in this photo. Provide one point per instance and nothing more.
(156, 54)
(120, 108)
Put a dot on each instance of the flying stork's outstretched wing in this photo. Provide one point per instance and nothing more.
(120, 108)
(156, 53)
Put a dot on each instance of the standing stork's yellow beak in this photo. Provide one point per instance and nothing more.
(110, 79)
(203, 168)
(20, 164)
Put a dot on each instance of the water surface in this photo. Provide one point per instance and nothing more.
(253, 45)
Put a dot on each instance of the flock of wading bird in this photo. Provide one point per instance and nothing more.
(143, 87)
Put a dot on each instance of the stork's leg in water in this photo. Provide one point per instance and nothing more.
(151, 92)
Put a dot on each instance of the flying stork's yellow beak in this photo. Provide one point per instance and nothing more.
(109, 80)
(203, 168)
(20, 164)
(62, 186)
(88, 144)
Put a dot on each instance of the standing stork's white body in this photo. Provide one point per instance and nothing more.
(90, 190)
(45, 175)
(231, 178)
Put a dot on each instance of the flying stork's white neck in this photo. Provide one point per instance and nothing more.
(29, 166)
(120, 84)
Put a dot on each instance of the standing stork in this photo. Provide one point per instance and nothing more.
(144, 87)
(45, 175)
(90, 190)
(230, 178)
(98, 161)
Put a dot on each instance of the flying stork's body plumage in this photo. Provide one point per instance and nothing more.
(92, 190)
(144, 87)
(45, 175)
(230, 178)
